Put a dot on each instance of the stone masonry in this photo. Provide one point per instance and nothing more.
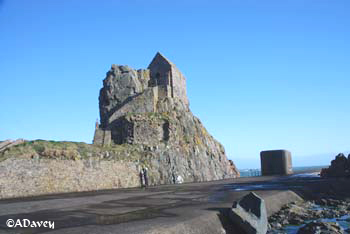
(128, 91)
(149, 108)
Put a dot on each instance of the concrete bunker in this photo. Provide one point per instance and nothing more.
(276, 162)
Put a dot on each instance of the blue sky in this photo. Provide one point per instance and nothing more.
(260, 74)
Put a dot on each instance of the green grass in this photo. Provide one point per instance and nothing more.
(65, 150)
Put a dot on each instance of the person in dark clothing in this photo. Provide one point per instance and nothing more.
(145, 176)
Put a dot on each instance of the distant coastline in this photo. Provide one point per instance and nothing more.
(256, 172)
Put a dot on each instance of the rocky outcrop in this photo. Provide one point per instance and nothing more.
(340, 167)
(145, 122)
(159, 88)
(321, 227)
(300, 214)
(149, 108)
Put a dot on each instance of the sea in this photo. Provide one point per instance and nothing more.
(257, 172)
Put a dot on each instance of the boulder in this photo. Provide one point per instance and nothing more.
(321, 228)
(249, 213)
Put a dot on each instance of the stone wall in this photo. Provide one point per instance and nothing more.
(178, 82)
(165, 74)
(31, 177)
(46, 167)
(142, 103)
(102, 137)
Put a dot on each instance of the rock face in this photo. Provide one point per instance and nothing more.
(145, 122)
(340, 167)
(148, 109)
(250, 214)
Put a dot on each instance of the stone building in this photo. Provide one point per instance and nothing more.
(146, 112)
(276, 162)
(154, 90)
(169, 80)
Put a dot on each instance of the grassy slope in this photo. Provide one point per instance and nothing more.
(70, 151)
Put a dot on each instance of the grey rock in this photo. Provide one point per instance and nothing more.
(250, 214)
(321, 228)
(149, 109)
(285, 222)
(340, 167)
(300, 213)
(296, 220)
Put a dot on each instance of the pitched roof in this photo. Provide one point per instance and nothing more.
(159, 57)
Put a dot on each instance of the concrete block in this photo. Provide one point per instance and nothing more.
(250, 214)
(276, 162)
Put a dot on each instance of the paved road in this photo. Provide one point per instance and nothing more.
(186, 208)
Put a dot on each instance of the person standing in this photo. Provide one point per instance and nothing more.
(142, 181)
(145, 176)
